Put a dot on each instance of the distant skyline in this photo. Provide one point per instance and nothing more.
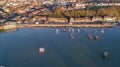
(67, 0)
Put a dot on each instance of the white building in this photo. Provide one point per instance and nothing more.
(48, 2)
(80, 5)
(106, 4)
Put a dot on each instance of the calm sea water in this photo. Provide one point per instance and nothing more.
(62, 49)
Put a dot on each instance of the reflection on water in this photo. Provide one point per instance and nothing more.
(71, 48)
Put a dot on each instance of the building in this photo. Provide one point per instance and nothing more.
(79, 5)
(35, 3)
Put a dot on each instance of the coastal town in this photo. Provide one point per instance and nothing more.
(59, 33)
(79, 13)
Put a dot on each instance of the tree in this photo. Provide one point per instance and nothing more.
(59, 11)
(101, 12)
(113, 12)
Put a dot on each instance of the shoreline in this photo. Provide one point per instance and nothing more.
(64, 25)
(56, 25)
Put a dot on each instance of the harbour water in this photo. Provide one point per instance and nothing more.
(62, 49)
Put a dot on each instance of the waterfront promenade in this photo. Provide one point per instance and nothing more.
(65, 25)
(54, 25)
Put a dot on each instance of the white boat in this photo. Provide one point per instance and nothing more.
(78, 30)
(95, 30)
(64, 30)
(96, 38)
(72, 30)
(90, 36)
(57, 31)
(69, 30)
(72, 36)
(102, 31)
(105, 55)
(41, 50)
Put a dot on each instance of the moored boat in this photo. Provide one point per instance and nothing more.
(64, 30)
(41, 49)
(96, 38)
(105, 55)
(69, 30)
(72, 30)
(78, 30)
(57, 31)
(95, 30)
(90, 36)
(72, 36)
(102, 31)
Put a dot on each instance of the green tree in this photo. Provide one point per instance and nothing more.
(59, 11)
(101, 12)
(113, 12)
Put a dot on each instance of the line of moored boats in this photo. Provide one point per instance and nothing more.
(78, 30)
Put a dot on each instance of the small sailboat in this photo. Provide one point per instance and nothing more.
(102, 31)
(95, 30)
(57, 31)
(90, 36)
(41, 49)
(69, 30)
(105, 55)
(72, 30)
(72, 36)
(78, 30)
(96, 38)
(64, 30)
